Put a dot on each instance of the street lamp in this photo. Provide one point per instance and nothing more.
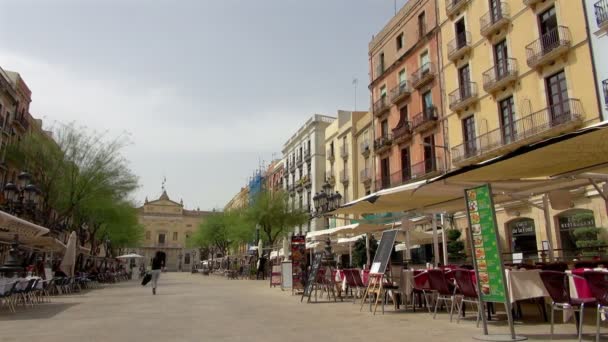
(23, 197)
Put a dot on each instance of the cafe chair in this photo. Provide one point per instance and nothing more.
(468, 292)
(421, 290)
(441, 287)
(598, 285)
(558, 287)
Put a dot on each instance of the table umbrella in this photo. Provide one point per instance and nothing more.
(69, 258)
(129, 256)
(260, 248)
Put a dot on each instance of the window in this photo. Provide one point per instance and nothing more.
(174, 236)
(427, 104)
(425, 62)
(549, 35)
(384, 128)
(147, 235)
(381, 63)
(187, 258)
(402, 77)
(383, 91)
(507, 120)
(429, 154)
(405, 164)
(501, 62)
(403, 115)
(161, 239)
(400, 41)
(557, 98)
(345, 194)
(468, 132)
(421, 25)
(464, 81)
(385, 173)
(461, 34)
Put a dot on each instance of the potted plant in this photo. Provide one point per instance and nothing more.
(587, 239)
(455, 246)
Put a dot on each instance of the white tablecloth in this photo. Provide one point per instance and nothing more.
(525, 284)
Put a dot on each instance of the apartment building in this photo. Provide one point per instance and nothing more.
(342, 156)
(363, 136)
(406, 97)
(304, 175)
(517, 72)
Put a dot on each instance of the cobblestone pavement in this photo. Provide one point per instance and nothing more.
(198, 308)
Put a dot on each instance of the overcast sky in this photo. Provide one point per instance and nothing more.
(206, 88)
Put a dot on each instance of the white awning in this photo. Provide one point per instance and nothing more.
(11, 225)
(330, 231)
(402, 247)
(311, 245)
(350, 239)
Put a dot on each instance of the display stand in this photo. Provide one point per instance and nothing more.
(286, 275)
(375, 285)
(298, 262)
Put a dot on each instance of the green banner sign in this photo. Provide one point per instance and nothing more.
(485, 244)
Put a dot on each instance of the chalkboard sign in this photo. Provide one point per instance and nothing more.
(312, 276)
(383, 253)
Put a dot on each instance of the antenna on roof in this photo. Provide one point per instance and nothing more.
(355, 83)
(395, 2)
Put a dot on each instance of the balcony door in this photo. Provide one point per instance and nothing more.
(495, 10)
(405, 164)
(461, 33)
(501, 55)
(425, 63)
(385, 173)
(468, 132)
(427, 105)
(549, 35)
(429, 154)
(507, 120)
(557, 97)
(384, 128)
(464, 80)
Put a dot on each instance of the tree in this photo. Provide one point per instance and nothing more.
(455, 247)
(214, 233)
(272, 214)
(360, 251)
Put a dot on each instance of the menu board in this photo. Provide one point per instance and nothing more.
(312, 276)
(485, 244)
(298, 260)
(383, 253)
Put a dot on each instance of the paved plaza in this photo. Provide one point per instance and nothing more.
(198, 308)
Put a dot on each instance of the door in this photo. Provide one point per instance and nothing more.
(468, 132)
(461, 34)
(427, 105)
(385, 173)
(429, 154)
(464, 80)
(402, 80)
(547, 22)
(495, 11)
(405, 164)
(501, 56)
(384, 127)
(507, 120)
(403, 116)
(425, 63)
(557, 97)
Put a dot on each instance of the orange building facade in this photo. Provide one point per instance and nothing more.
(406, 97)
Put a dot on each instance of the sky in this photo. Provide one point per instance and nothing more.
(206, 90)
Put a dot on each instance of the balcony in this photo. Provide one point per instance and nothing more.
(402, 132)
(299, 161)
(307, 155)
(549, 122)
(463, 97)
(292, 167)
(424, 120)
(365, 148)
(383, 183)
(400, 92)
(380, 69)
(299, 185)
(330, 154)
(605, 86)
(383, 143)
(344, 151)
(330, 178)
(494, 21)
(366, 176)
(454, 6)
(381, 106)
(547, 48)
(427, 168)
(344, 176)
(601, 14)
(459, 46)
(422, 76)
(401, 177)
(306, 181)
(500, 76)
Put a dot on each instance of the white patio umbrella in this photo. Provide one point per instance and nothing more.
(260, 248)
(69, 258)
(286, 248)
(130, 256)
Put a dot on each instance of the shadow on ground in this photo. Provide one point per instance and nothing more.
(40, 311)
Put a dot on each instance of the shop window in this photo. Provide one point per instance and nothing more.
(568, 223)
(187, 259)
(523, 237)
(161, 239)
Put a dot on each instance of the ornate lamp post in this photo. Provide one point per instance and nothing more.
(22, 198)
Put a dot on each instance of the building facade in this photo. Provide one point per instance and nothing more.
(406, 97)
(239, 201)
(363, 136)
(275, 176)
(515, 73)
(304, 155)
(168, 226)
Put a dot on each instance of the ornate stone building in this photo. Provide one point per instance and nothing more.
(168, 226)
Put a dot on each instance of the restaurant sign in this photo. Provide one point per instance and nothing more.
(485, 244)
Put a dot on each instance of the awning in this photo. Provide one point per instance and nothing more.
(11, 225)
(532, 169)
(402, 247)
(311, 245)
(330, 231)
(351, 239)
(418, 237)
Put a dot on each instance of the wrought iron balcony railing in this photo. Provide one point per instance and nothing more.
(428, 117)
(548, 47)
(365, 148)
(459, 46)
(329, 177)
(494, 20)
(464, 96)
(330, 154)
(383, 182)
(453, 6)
(427, 167)
(402, 132)
(401, 177)
(365, 175)
(381, 106)
(552, 120)
(383, 142)
(500, 75)
(307, 155)
(344, 151)
(423, 75)
(400, 92)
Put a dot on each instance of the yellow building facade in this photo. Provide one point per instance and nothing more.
(516, 72)
(343, 154)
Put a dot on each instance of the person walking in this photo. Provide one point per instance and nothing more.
(158, 263)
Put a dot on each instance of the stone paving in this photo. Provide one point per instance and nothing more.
(192, 307)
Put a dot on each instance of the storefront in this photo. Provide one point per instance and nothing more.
(522, 233)
(568, 223)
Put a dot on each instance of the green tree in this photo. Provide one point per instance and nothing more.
(455, 246)
(214, 233)
(272, 214)
(360, 251)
